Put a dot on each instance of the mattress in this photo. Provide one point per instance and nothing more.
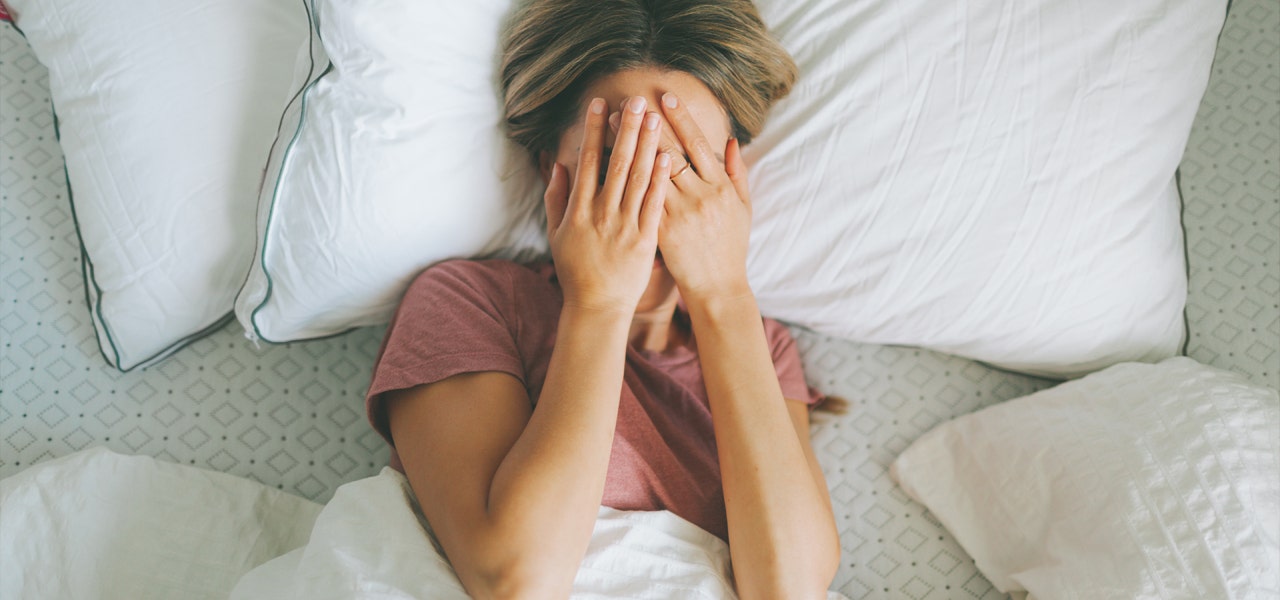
(291, 416)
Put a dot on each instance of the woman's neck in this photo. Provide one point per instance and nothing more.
(656, 331)
(654, 326)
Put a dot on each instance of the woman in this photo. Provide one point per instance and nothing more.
(636, 373)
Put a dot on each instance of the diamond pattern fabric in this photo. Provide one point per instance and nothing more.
(1230, 179)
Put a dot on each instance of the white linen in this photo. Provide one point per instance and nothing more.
(392, 160)
(1141, 481)
(993, 180)
(96, 524)
(166, 112)
(372, 539)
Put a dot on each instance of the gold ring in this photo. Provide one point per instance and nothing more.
(681, 171)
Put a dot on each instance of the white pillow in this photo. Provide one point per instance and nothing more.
(1141, 481)
(102, 525)
(994, 181)
(391, 160)
(166, 113)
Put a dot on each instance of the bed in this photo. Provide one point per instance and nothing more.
(291, 415)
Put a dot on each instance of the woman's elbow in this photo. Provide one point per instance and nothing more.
(826, 571)
(817, 579)
(798, 586)
(811, 579)
(515, 577)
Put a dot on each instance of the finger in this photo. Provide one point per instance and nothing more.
(671, 146)
(655, 198)
(642, 167)
(624, 150)
(737, 169)
(690, 135)
(587, 180)
(615, 121)
(556, 198)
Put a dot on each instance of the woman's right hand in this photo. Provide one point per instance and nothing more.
(604, 236)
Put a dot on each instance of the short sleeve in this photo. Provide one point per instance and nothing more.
(456, 317)
(786, 361)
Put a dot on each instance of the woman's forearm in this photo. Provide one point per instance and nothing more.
(783, 540)
(546, 493)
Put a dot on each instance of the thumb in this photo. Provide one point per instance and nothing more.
(556, 198)
(736, 168)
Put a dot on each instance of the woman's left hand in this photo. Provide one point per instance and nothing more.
(707, 221)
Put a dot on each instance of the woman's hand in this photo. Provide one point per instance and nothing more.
(704, 232)
(604, 236)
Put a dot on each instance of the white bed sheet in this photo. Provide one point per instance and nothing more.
(371, 540)
(102, 525)
(97, 524)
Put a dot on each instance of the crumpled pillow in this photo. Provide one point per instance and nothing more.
(1141, 481)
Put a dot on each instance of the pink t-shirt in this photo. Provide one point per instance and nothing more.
(468, 316)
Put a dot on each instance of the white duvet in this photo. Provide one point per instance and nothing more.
(102, 525)
(370, 541)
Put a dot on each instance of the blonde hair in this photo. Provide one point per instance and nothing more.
(555, 49)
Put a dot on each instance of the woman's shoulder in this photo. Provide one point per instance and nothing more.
(496, 286)
(490, 274)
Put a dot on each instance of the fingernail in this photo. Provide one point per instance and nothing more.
(669, 99)
(651, 121)
(664, 160)
(635, 104)
(614, 119)
(597, 106)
